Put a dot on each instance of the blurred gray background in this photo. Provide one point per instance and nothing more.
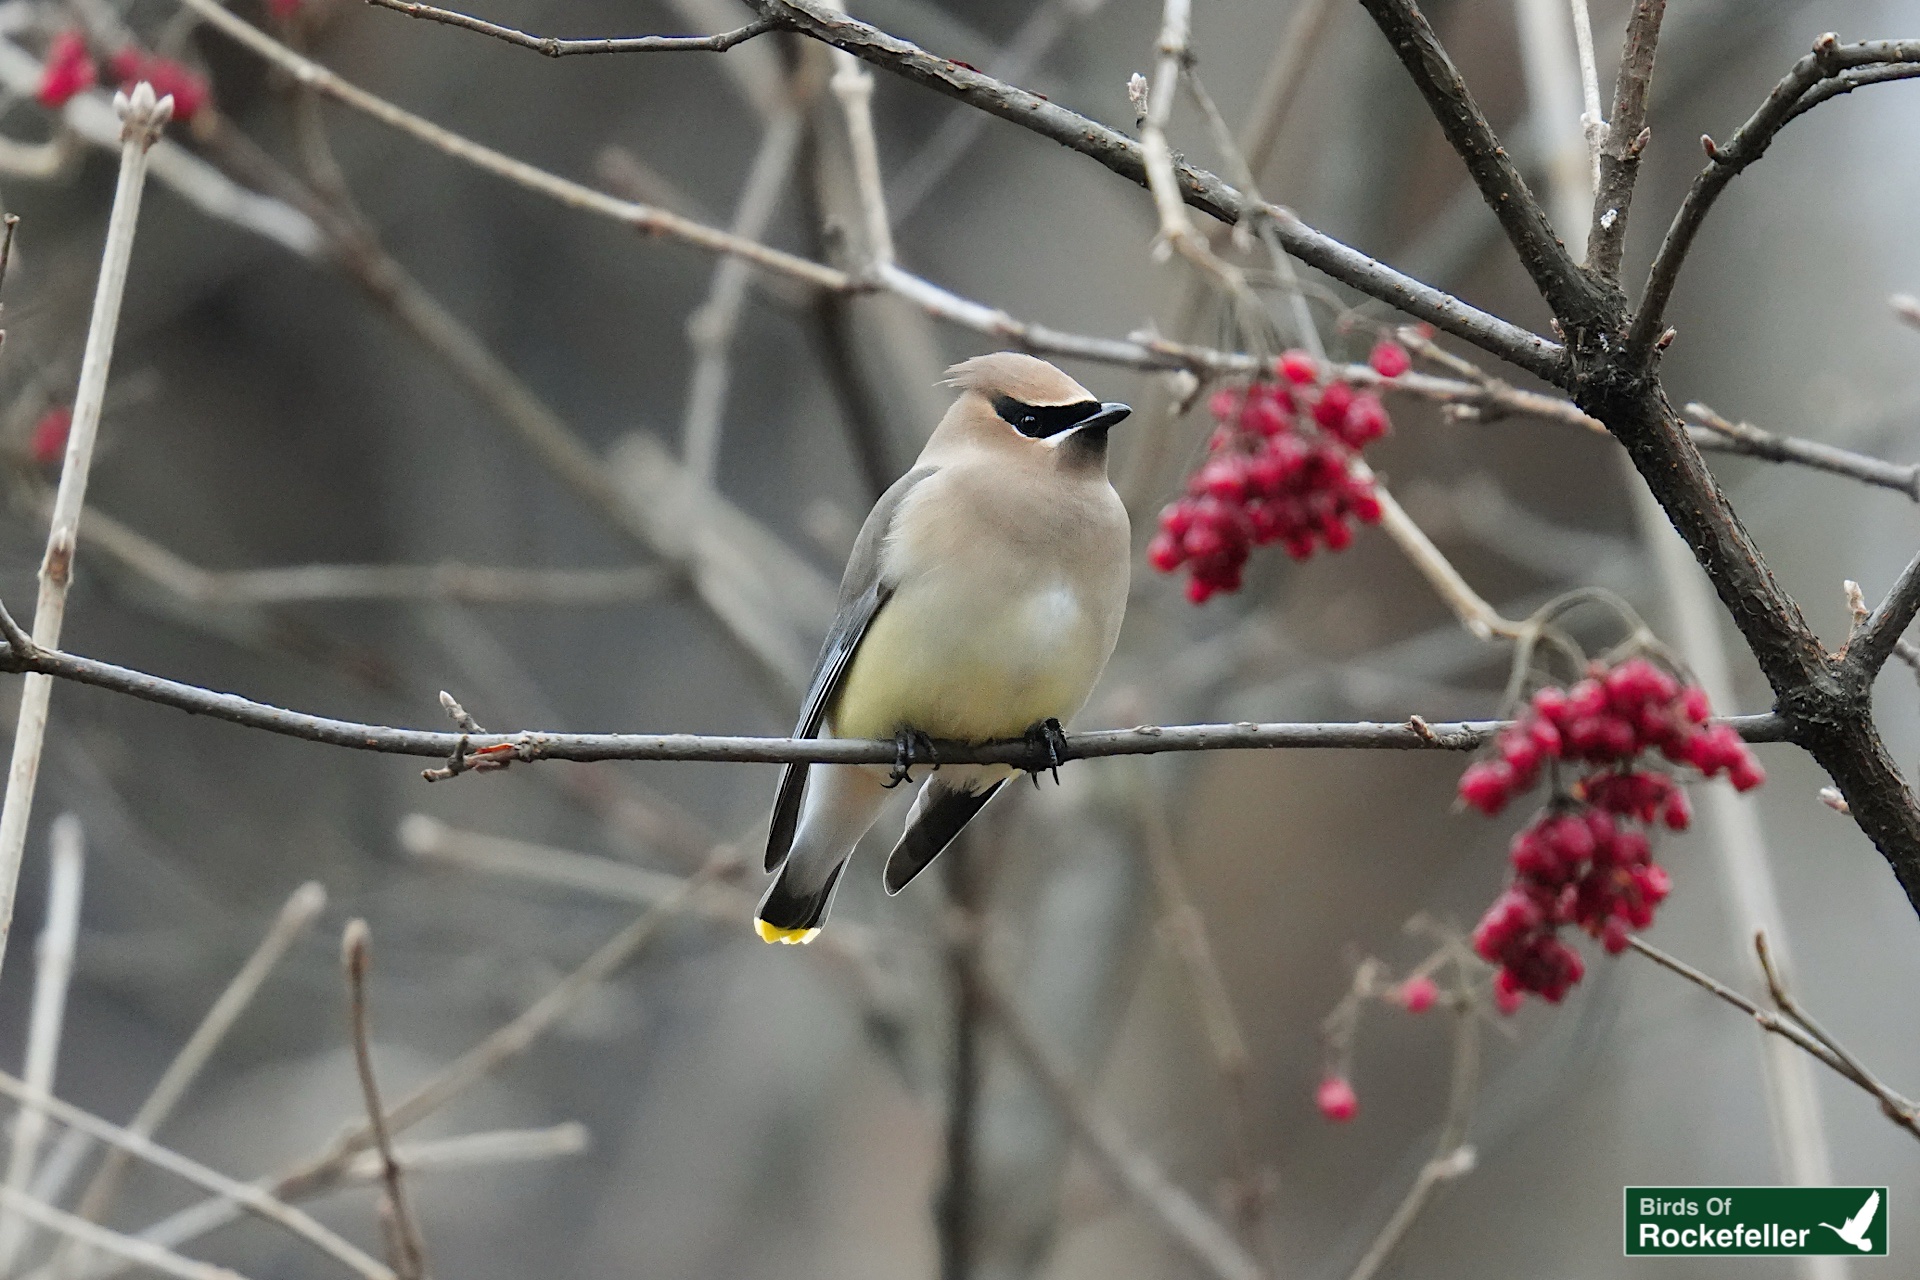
(752, 1112)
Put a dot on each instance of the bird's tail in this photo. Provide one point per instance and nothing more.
(792, 911)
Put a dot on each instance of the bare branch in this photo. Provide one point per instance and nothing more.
(1715, 432)
(408, 1252)
(534, 745)
(1203, 190)
(139, 1252)
(1198, 1233)
(251, 1198)
(295, 916)
(141, 120)
(1792, 1027)
(555, 47)
(1626, 137)
(1812, 80)
(54, 966)
(1873, 641)
(1554, 273)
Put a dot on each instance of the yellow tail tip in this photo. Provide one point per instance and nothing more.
(791, 937)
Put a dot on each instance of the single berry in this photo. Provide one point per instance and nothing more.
(1417, 994)
(1389, 359)
(68, 70)
(1336, 1099)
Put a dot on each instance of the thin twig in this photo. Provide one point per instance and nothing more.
(326, 1170)
(535, 745)
(1192, 943)
(242, 1195)
(555, 47)
(1592, 122)
(1713, 431)
(408, 1252)
(1198, 1233)
(54, 966)
(142, 119)
(1452, 1156)
(298, 912)
(1725, 161)
(141, 1253)
(1900, 1110)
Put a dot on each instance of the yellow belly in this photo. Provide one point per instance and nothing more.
(970, 673)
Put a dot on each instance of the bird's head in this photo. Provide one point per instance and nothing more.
(1011, 397)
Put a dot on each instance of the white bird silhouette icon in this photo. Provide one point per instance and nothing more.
(1855, 1231)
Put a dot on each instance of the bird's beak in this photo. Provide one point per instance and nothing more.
(1108, 415)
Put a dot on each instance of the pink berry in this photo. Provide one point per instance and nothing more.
(68, 70)
(1417, 994)
(1336, 1099)
(1389, 359)
(1299, 368)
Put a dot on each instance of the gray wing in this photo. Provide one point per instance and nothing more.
(862, 595)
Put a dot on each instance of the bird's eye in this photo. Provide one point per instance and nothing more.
(1042, 421)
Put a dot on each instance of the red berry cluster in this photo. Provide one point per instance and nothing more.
(1280, 468)
(167, 76)
(68, 70)
(1580, 861)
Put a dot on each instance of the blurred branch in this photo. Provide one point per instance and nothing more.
(1199, 1234)
(54, 967)
(1793, 1025)
(242, 1195)
(1453, 1156)
(1186, 927)
(1414, 734)
(90, 117)
(1113, 149)
(139, 1252)
(312, 583)
(295, 916)
(1049, 22)
(554, 47)
(330, 1167)
(1501, 186)
(1818, 76)
(142, 118)
(406, 1251)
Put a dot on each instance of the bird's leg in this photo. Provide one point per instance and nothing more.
(908, 745)
(1049, 739)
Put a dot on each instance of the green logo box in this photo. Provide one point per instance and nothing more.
(1754, 1221)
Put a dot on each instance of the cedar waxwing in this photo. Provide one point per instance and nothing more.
(981, 601)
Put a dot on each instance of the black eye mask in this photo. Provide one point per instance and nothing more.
(1041, 421)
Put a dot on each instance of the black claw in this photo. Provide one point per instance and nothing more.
(910, 747)
(1050, 738)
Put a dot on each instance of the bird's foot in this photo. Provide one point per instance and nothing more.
(910, 747)
(1048, 740)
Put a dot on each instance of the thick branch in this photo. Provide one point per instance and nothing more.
(1554, 272)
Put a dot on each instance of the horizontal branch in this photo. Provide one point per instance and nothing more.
(1412, 735)
(1715, 433)
(555, 47)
